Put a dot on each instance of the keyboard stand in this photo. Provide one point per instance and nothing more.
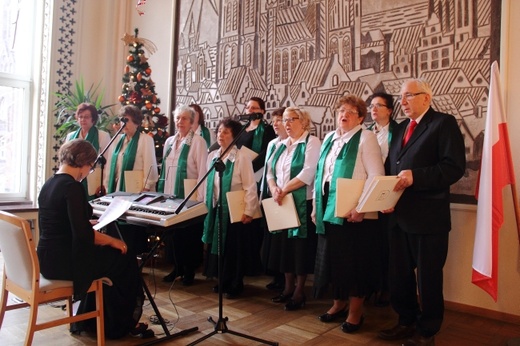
(167, 335)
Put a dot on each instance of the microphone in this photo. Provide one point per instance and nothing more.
(250, 117)
(123, 120)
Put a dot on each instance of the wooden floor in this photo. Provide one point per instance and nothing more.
(255, 315)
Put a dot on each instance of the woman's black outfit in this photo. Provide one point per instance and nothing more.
(66, 251)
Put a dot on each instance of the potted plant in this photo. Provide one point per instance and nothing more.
(69, 101)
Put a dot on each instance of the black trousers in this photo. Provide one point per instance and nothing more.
(425, 253)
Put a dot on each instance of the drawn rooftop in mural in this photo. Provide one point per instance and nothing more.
(310, 53)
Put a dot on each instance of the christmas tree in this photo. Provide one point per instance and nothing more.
(139, 90)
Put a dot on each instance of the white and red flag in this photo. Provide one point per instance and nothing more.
(496, 172)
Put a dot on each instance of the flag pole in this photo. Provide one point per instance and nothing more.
(517, 211)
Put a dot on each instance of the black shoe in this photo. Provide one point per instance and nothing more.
(420, 340)
(275, 286)
(326, 317)
(348, 327)
(281, 298)
(188, 279)
(295, 305)
(233, 293)
(397, 332)
(170, 277)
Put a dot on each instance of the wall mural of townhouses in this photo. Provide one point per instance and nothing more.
(310, 53)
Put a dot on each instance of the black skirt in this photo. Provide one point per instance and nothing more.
(294, 255)
(348, 259)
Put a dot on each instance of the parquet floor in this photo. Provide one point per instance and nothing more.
(254, 314)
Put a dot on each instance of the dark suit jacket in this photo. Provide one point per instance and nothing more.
(436, 155)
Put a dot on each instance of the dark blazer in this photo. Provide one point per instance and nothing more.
(436, 155)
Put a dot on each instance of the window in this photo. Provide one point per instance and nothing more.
(17, 26)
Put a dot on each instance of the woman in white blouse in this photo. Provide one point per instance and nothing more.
(237, 175)
(133, 152)
(347, 254)
(184, 157)
(291, 170)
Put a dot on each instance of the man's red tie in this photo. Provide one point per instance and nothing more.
(409, 132)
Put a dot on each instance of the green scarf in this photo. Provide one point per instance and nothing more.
(182, 168)
(265, 189)
(211, 222)
(204, 132)
(128, 162)
(160, 185)
(93, 138)
(299, 195)
(343, 168)
(258, 137)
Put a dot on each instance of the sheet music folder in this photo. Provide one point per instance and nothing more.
(283, 216)
(380, 195)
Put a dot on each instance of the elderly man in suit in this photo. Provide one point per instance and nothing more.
(427, 153)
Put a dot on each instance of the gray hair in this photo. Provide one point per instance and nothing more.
(184, 109)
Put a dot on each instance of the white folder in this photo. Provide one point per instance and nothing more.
(283, 216)
(134, 181)
(348, 192)
(237, 206)
(380, 195)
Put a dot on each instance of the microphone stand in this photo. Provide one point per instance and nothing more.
(220, 324)
(102, 160)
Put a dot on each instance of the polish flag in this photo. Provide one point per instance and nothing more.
(496, 171)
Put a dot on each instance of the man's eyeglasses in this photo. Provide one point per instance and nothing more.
(410, 96)
(290, 120)
(377, 105)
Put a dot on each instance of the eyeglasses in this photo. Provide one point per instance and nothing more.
(377, 105)
(92, 169)
(86, 117)
(410, 96)
(290, 120)
(348, 111)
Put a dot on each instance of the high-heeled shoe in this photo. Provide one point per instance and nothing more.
(326, 317)
(348, 327)
(281, 298)
(295, 305)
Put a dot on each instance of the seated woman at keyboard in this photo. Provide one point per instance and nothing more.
(69, 249)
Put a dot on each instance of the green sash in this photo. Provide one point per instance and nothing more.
(299, 195)
(265, 189)
(182, 167)
(204, 132)
(258, 137)
(343, 168)
(128, 162)
(160, 184)
(93, 138)
(211, 222)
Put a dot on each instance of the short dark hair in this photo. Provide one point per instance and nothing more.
(77, 153)
(231, 124)
(261, 103)
(389, 100)
(133, 112)
(87, 107)
(197, 109)
(278, 112)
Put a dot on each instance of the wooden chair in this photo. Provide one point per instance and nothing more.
(22, 278)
